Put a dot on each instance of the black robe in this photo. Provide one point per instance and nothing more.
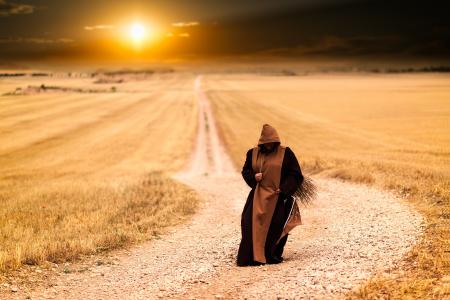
(291, 178)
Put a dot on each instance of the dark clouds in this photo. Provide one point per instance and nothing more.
(8, 8)
(34, 41)
(359, 28)
(341, 46)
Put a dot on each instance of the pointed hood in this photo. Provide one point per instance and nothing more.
(268, 134)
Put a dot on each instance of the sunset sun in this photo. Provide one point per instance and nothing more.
(138, 32)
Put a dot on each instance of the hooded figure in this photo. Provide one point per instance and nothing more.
(270, 211)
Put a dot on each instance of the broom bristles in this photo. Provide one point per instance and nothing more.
(306, 192)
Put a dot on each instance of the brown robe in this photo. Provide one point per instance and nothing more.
(264, 197)
(267, 216)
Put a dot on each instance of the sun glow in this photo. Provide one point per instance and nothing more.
(138, 35)
(138, 32)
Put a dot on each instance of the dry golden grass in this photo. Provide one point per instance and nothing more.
(391, 131)
(81, 173)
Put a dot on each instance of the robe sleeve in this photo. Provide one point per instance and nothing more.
(247, 170)
(293, 176)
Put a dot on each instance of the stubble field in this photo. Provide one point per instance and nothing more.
(392, 131)
(83, 172)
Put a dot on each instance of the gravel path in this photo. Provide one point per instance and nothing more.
(351, 232)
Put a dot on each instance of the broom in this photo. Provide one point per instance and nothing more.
(306, 192)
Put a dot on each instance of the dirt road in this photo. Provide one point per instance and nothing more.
(351, 232)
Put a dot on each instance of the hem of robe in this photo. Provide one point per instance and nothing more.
(245, 251)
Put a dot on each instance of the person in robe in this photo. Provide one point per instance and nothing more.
(270, 212)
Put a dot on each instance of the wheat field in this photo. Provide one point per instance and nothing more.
(388, 130)
(83, 172)
(84, 167)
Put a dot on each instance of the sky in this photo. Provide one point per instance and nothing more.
(165, 29)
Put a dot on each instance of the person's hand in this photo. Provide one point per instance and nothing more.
(258, 176)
